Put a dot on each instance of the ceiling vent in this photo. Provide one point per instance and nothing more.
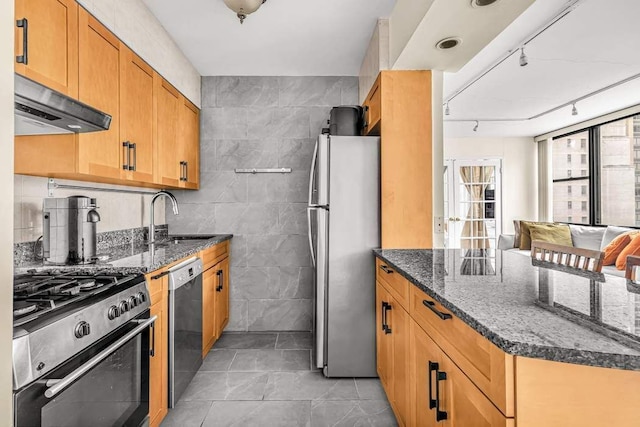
(482, 3)
(448, 43)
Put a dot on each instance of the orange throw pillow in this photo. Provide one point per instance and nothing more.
(632, 248)
(613, 249)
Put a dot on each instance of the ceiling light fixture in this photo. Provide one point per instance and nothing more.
(482, 3)
(475, 128)
(524, 61)
(574, 110)
(448, 43)
(242, 8)
(447, 111)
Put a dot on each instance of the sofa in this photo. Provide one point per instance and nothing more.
(583, 236)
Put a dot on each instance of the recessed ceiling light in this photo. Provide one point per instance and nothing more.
(482, 3)
(448, 43)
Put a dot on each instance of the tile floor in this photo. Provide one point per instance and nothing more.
(265, 379)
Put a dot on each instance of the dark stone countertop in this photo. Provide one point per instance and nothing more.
(528, 310)
(134, 258)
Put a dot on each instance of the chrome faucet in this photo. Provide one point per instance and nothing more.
(152, 226)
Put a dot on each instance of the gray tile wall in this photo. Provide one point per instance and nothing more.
(261, 122)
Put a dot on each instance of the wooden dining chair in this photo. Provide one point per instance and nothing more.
(632, 261)
(568, 256)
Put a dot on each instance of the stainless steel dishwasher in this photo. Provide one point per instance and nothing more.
(185, 325)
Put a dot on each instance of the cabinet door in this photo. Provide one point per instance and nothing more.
(49, 54)
(222, 296)
(189, 144)
(444, 395)
(209, 283)
(384, 349)
(99, 153)
(136, 116)
(400, 322)
(155, 364)
(167, 107)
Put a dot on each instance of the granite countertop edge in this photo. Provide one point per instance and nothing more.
(556, 354)
(109, 267)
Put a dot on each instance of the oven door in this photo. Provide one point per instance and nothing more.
(107, 385)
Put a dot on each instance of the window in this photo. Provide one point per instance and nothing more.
(564, 178)
(608, 176)
(617, 170)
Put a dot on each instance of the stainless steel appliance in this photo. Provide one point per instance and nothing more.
(81, 350)
(344, 227)
(41, 111)
(185, 325)
(69, 230)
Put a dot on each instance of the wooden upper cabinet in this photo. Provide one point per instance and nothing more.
(167, 107)
(136, 116)
(99, 153)
(372, 106)
(49, 55)
(189, 143)
(399, 110)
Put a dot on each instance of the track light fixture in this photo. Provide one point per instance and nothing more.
(574, 110)
(475, 128)
(447, 111)
(524, 61)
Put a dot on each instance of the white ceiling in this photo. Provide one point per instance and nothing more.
(284, 37)
(592, 47)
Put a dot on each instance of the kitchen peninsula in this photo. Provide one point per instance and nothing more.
(508, 342)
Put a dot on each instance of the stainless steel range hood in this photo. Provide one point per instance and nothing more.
(43, 111)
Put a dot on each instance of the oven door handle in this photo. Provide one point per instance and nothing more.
(55, 386)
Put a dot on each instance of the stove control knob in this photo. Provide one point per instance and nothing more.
(82, 329)
(141, 297)
(124, 306)
(133, 302)
(113, 312)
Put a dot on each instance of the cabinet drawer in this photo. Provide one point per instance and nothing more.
(156, 286)
(214, 255)
(488, 367)
(397, 285)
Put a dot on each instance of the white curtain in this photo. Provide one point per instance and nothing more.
(545, 181)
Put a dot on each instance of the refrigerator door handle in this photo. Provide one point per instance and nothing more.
(313, 257)
(312, 173)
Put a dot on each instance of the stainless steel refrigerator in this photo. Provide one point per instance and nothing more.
(344, 226)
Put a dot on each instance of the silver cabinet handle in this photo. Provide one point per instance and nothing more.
(132, 146)
(55, 386)
(24, 24)
(127, 152)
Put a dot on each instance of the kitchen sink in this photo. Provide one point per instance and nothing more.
(177, 239)
(191, 236)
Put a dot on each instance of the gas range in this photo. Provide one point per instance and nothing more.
(57, 316)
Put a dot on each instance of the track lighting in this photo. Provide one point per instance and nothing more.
(574, 110)
(447, 111)
(475, 128)
(524, 61)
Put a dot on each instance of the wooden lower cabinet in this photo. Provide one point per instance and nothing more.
(215, 294)
(159, 360)
(392, 341)
(444, 396)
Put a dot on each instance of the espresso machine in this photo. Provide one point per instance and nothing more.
(69, 230)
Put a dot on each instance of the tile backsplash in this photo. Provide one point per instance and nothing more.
(262, 122)
(118, 211)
